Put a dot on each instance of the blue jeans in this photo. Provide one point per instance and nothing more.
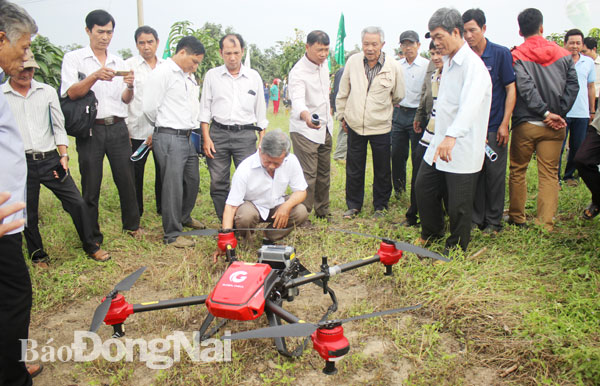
(576, 129)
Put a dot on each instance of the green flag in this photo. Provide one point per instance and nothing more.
(339, 44)
(167, 51)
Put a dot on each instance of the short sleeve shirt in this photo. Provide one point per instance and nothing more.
(498, 61)
(251, 182)
(586, 73)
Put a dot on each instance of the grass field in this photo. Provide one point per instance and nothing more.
(522, 307)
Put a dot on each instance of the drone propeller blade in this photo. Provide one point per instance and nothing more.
(422, 252)
(294, 329)
(99, 314)
(199, 232)
(402, 246)
(125, 284)
(102, 310)
(375, 314)
(305, 329)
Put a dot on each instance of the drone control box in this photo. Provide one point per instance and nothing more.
(241, 292)
(277, 256)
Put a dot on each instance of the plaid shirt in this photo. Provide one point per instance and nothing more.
(372, 72)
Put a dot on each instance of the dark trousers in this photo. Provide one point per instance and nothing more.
(431, 185)
(356, 164)
(576, 129)
(15, 309)
(180, 178)
(404, 138)
(229, 144)
(40, 172)
(112, 141)
(315, 161)
(138, 170)
(488, 204)
(412, 213)
(587, 160)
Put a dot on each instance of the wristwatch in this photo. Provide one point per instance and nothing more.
(546, 114)
(64, 155)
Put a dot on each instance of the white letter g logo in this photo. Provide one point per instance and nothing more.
(238, 277)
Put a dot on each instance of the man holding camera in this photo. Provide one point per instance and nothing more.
(109, 135)
(41, 123)
(311, 124)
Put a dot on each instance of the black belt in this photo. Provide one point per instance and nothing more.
(168, 130)
(235, 127)
(410, 109)
(36, 155)
(108, 121)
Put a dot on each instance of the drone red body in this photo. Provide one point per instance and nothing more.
(240, 294)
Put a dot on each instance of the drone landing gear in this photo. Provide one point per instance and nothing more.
(206, 323)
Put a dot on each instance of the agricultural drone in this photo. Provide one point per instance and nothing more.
(246, 291)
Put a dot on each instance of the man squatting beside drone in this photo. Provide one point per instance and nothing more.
(258, 194)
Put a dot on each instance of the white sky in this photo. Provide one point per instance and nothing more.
(263, 22)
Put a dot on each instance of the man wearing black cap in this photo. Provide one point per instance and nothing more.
(403, 135)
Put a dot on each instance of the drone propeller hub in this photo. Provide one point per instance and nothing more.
(388, 254)
(119, 311)
(331, 344)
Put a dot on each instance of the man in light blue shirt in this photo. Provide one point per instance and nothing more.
(404, 137)
(580, 114)
(16, 28)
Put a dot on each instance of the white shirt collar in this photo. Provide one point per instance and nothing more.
(243, 71)
(110, 58)
(460, 55)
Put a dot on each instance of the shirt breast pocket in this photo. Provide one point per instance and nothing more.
(382, 88)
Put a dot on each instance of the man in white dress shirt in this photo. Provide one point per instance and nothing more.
(140, 129)
(41, 123)
(170, 102)
(258, 190)
(232, 98)
(404, 137)
(309, 92)
(455, 154)
(109, 136)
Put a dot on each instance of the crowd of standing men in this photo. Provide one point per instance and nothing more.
(452, 115)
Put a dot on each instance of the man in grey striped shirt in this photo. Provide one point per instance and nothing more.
(41, 123)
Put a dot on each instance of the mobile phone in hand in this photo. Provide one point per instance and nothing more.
(122, 73)
(61, 172)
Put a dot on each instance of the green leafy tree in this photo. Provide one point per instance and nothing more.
(209, 35)
(595, 33)
(49, 58)
(289, 52)
(125, 53)
(71, 47)
(557, 38)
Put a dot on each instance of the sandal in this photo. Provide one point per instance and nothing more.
(350, 213)
(590, 212)
(100, 255)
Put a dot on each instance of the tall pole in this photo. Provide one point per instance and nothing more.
(140, 12)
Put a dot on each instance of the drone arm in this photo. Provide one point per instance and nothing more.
(172, 303)
(334, 270)
(283, 314)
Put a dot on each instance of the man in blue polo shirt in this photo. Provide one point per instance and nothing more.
(581, 114)
(488, 204)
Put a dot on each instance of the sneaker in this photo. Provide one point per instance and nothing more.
(195, 224)
(182, 242)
